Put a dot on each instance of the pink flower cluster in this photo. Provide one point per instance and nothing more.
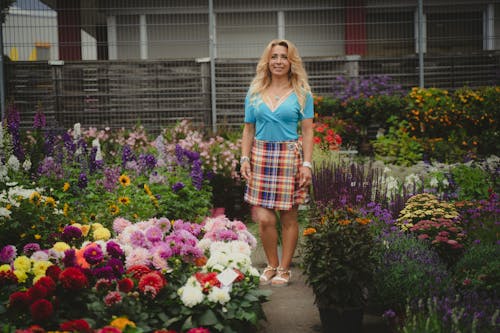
(441, 231)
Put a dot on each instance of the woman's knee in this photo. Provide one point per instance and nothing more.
(264, 217)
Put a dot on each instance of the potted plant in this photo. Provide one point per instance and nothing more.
(336, 260)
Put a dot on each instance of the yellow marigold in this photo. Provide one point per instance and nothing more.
(309, 231)
(114, 209)
(124, 180)
(362, 220)
(124, 200)
(35, 198)
(38, 236)
(8, 206)
(61, 246)
(40, 266)
(22, 263)
(344, 222)
(121, 323)
(66, 187)
(102, 234)
(49, 201)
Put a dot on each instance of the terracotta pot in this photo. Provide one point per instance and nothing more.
(347, 321)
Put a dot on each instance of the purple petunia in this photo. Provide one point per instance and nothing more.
(178, 186)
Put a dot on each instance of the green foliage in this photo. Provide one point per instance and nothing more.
(479, 268)
(397, 146)
(336, 257)
(473, 182)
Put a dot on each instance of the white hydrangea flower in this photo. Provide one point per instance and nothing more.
(218, 295)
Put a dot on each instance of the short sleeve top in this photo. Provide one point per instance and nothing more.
(281, 123)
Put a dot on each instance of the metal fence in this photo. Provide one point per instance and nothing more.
(118, 63)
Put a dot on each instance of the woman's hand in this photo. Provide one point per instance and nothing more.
(245, 170)
(305, 176)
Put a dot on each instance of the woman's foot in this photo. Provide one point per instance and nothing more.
(282, 277)
(267, 275)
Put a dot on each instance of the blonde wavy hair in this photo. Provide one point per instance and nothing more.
(297, 75)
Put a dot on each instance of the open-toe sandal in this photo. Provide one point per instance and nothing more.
(267, 275)
(282, 277)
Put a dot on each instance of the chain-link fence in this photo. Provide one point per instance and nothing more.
(122, 62)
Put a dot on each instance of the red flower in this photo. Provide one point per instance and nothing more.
(109, 329)
(199, 330)
(19, 300)
(207, 280)
(125, 285)
(165, 331)
(77, 325)
(73, 278)
(138, 270)
(53, 272)
(152, 283)
(41, 310)
(37, 291)
(48, 283)
(240, 277)
(7, 277)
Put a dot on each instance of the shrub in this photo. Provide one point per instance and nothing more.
(479, 268)
(406, 269)
(471, 181)
(480, 219)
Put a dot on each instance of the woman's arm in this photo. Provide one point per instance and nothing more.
(246, 147)
(307, 148)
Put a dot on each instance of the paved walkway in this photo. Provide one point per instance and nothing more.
(292, 309)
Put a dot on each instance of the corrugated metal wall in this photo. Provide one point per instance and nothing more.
(127, 62)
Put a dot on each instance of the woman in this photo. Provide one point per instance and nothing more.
(276, 166)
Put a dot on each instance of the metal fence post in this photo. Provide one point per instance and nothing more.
(211, 36)
(421, 43)
(2, 76)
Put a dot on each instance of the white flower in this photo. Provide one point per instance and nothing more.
(445, 182)
(13, 163)
(218, 295)
(98, 155)
(434, 182)
(4, 212)
(240, 247)
(204, 244)
(191, 295)
(27, 165)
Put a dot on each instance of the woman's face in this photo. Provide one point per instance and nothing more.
(278, 62)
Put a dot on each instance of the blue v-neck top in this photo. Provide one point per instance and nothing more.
(280, 124)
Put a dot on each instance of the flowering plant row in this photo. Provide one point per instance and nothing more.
(154, 274)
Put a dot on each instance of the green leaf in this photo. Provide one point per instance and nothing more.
(208, 318)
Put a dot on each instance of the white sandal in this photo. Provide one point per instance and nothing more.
(264, 278)
(279, 280)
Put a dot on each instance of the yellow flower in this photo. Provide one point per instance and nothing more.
(102, 234)
(39, 267)
(60, 246)
(124, 180)
(4, 268)
(21, 276)
(124, 200)
(35, 198)
(22, 263)
(37, 236)
(66, 187)
(309, 231)
(85, 229)
(96, 226)
(49, 201)
(114, 209)
(121, 323)
(65, 209)
(147, 190)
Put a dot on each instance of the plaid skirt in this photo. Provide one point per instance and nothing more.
(275, 183)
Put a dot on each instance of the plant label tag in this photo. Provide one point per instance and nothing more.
(227, 276)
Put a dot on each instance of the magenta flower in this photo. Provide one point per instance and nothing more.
(93, 254)
(8, 253)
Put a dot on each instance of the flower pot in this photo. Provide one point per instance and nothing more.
(347, 321)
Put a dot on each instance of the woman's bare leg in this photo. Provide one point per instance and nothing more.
(266, 218)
